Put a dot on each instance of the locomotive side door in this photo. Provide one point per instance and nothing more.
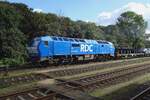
(50, 48)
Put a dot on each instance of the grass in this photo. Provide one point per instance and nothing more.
(13, 74)
(16, 84)
(116, 91)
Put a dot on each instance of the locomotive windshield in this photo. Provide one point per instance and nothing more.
(32, 49)
(35, 42)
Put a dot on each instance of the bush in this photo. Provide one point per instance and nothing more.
(9, 61)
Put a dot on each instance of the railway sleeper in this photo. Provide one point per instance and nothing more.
(72, 94)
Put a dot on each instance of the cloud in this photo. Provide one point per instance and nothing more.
(37, 10)
(107, 18)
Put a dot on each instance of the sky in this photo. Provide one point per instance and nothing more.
(102, 12)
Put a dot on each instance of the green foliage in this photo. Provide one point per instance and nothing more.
(12, 40)
(132, 27)
(13, 43)
(10, 61)
(147, 43)
(112, 34)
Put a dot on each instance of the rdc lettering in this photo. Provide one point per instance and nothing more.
(86, 48)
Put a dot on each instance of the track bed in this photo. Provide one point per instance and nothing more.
(73, 89)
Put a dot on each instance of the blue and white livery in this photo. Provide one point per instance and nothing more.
(52, 47)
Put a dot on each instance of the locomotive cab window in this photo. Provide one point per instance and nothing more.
(65, 39)
(75, 45)
(46, 43)
(71, 40)
(81, 40)
(54, 38)
(76, 40)
(60, 39)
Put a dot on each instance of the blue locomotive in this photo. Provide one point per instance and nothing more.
(61, 49)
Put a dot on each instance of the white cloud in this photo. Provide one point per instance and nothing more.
(107, 18)
(37, 10)
(148, 31)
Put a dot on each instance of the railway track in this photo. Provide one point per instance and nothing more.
(144, 95)
(5, 69)
(27, 95)
(104, 79)
(72, 71)
(49, 94)
(5, 82)
(73, 89)
(83, 69)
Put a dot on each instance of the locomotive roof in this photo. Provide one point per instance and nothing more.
(55, 38)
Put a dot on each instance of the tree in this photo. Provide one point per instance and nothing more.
(112, 34)
(12, 40)
(132, 27)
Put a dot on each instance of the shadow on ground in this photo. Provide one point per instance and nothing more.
(126, 92)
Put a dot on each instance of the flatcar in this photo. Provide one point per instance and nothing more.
(126, 52)
(60, 49)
